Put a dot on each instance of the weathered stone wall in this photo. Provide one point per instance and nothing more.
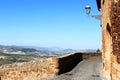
(43, 68)
(30, 71)
(38, 69)
(106, 36)
(111, 38)
(86, 56)
(115, 29)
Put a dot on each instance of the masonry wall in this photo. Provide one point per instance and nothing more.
(115, 56)
(106, 36)
(43, 68)
(111, 41)
(30, 71)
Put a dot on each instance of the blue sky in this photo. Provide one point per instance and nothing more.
(49, 23)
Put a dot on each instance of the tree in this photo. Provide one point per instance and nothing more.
(98, 51)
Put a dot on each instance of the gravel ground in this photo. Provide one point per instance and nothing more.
(85, 70)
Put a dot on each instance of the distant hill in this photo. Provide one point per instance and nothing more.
(11, 54)
(39, 51)
(21, 51)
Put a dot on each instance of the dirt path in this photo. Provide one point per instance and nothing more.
(85, 70)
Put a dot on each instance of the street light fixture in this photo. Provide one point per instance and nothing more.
(88, 9)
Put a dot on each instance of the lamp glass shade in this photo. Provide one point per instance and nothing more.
(88, 8)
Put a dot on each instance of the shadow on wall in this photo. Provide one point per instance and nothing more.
(67, 63)
(108, 29)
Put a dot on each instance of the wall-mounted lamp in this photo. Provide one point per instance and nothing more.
(88, 8)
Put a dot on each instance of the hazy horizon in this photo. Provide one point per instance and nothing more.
(52, 47)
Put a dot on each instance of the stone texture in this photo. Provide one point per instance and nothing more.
(43, 68)
(106, 37)
(111, 38)
(30, 71)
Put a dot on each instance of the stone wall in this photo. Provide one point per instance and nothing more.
(87, 56)
(38, 69)
(43, 68)
(30, 71)
(106, 36)
(111, 38)
(115, 56)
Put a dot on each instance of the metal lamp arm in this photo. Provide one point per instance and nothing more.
(96, 16)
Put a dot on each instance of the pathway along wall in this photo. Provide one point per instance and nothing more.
(43, 68)
(111, 38)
